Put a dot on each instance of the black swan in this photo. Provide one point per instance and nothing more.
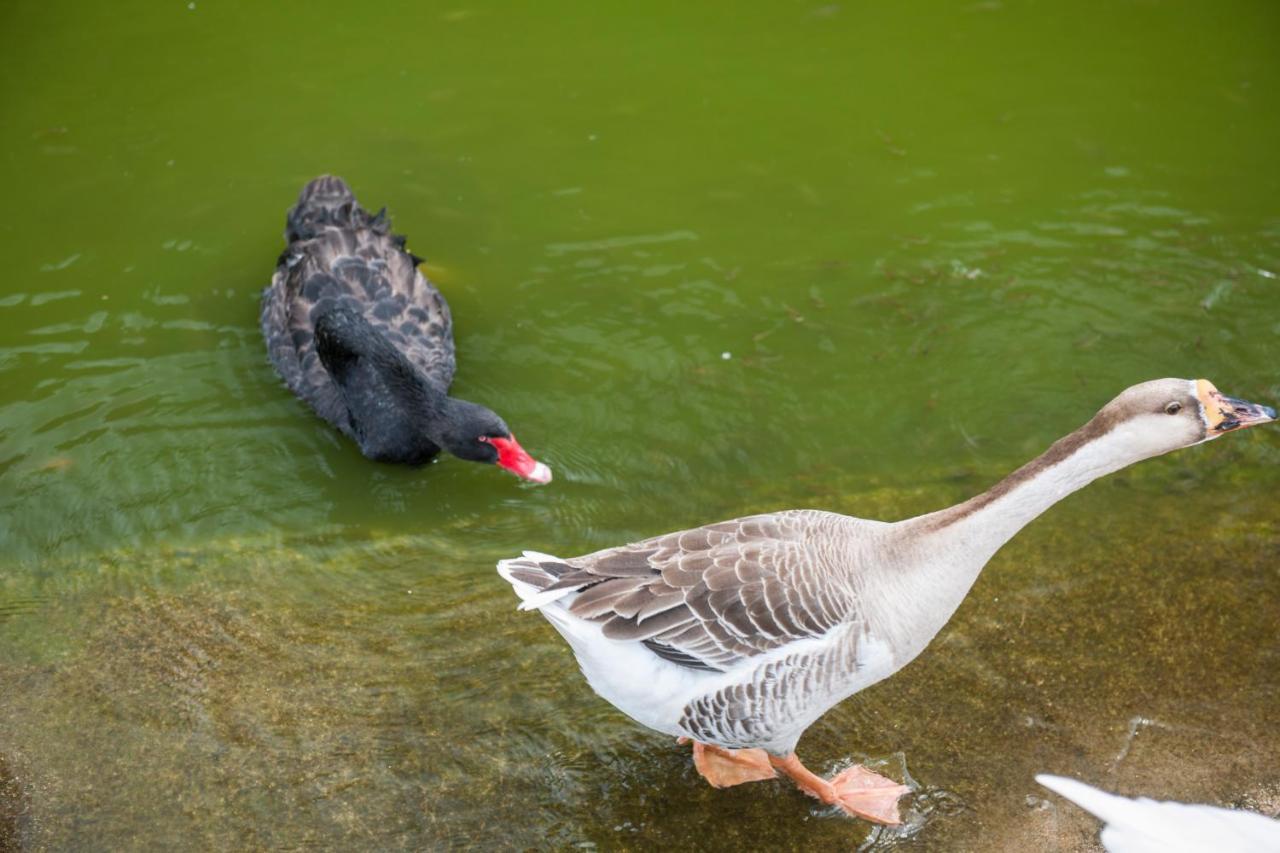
(359, 333)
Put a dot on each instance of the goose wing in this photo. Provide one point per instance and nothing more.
(710, 597)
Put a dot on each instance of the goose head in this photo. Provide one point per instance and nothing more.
(1157, 417)
(476, 433)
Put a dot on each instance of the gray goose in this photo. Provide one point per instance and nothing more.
(739, 635)
(359, 333)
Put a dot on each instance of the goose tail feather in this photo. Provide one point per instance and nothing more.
(531, 575)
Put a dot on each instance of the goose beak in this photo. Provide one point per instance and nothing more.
(514, 458)
(1223, 414)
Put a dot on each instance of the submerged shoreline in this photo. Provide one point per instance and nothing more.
(384, 693)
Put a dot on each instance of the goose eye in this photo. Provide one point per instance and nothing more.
(1173, 408)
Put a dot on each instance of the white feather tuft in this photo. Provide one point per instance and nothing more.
(542, 599)
(531, 598)
(1104, 806)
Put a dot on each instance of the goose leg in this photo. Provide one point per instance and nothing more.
(857, 791)
(724, 768)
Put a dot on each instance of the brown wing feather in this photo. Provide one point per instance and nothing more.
(715, 594)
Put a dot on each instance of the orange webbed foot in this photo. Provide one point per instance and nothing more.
(724, 768)
(857, 791)
(868, 795)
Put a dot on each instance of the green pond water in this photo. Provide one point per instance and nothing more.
(706, 259)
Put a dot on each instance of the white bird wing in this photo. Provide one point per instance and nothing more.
(1150, 826)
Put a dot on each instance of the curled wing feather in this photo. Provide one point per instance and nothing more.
(714, 596)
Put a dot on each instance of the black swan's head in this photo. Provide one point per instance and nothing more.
(397, 415)
(472, 432)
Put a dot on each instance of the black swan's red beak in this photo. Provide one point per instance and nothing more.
(514, 458)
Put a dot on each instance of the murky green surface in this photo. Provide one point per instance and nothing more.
(706, 261)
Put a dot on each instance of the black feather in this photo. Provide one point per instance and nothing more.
(678, 657)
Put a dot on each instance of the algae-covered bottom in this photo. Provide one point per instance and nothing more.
(386, 695)
(705, 260)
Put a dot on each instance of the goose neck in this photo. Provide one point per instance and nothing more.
(943, 552)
